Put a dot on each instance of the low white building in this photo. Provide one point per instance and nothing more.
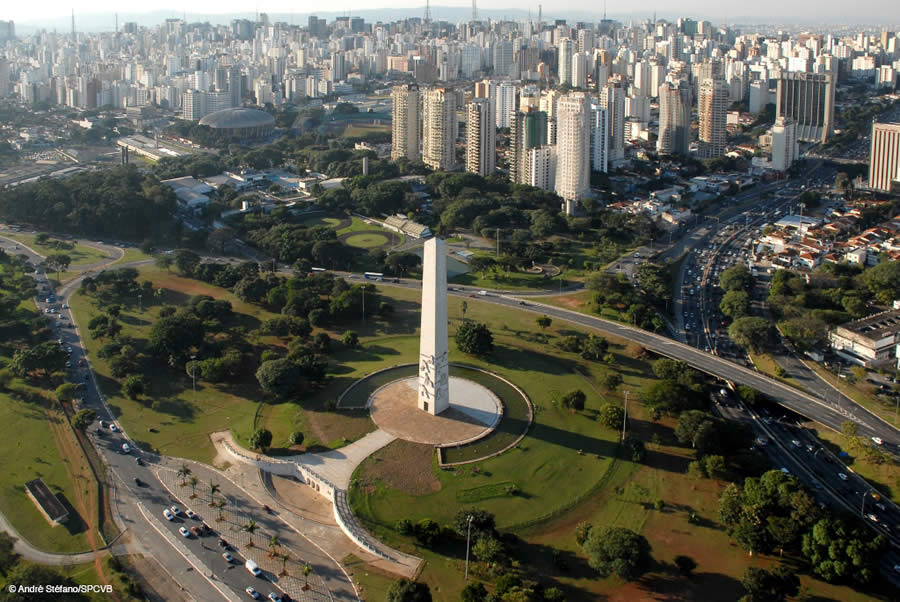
(870, 342)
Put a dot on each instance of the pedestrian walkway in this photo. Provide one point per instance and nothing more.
(338, 465)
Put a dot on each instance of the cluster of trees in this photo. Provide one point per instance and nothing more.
(474, 338)
(119, 202)
(614, 295)
(370, 196)
(775, 512)
(199, 134)
(679, 389)
(615, 551)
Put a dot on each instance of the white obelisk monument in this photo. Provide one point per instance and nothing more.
(434, 366)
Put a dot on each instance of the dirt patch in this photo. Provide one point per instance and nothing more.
(405, 466)
(569, 302)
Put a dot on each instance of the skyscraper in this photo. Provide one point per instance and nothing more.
(439, 128)
(579, 70)
(505, 103)
(884, 157)
(481, 137)
(527, 130)
(785, 148)
(808, 99)
(711, 110)
(566, 50)
(573, 168)
(674, 118)
(612, 98)
(405, 122)
(599, 138)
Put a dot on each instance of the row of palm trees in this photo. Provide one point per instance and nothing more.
(274, 543)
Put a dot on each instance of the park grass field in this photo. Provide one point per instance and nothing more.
(367, 240)
(358, 225)
(319, 220)
(884, 477)
(81, 255)
(354, 130)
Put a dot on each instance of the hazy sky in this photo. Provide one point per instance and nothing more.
(879, 11)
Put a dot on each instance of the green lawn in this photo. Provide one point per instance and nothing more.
(80, 255)
(371, 583)
(319, 220)
(862, 393)
(522, 281)
(132, 255)
(358, 225)
(367, 240)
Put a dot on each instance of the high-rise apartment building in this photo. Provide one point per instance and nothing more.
(573, 149)
(808, 99)
(599, 137)
(711, 111)
(884, 157)
(566, 51)
(612, 98)
(503, 58)
(505, 104)
(785, 148)
(542, 166)
(481, 137)
(527, 130)
(405, 122)
(579, 70)
(674, 118)
(439, 128)
(4, 77)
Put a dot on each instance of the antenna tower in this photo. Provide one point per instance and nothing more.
(540, 12)
(73, 22)
(474, 11)
(427, 12)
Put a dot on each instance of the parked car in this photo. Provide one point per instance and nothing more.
(184, 532)
(168, 514)
(252, 593)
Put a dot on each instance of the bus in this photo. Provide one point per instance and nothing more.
(317, 269)
(377, 276)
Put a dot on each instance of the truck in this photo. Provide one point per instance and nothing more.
(252, 568)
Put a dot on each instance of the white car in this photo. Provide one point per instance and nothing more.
(877, 441)
(190, 513)
(228, 557)
(184, 532)
(113, 427)
(252, 593)
(842, 476)
(872, 517)
(795, 442)
(176, 510)
(168, 514)
(126, 448)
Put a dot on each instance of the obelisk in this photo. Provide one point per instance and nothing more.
(434, 366)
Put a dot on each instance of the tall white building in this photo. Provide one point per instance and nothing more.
(599, 138)
(481, 137)
(712, 112)
(566, 51)
(542, 166)
(505, 93)
(573, 170)
(785, 147)
(579, 70)
(612, 98)
(439, 128)
(884, 157)
(674, 118)
(405, 122)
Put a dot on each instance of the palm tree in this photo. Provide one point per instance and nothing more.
(183, 472)
(284, 559)
(306, 571)
(193, 483)
(213, 490)
(250, 528)
(220, 504)
(273, 546)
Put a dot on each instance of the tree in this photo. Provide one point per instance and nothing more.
(350, 339)
(735, 304)
(685, 564)
(883, 280)
(594, 348)
(164, 262)
(483, 522)
(611, 416)
(193, 483)
(274, 544)
(611, 381)
(582, 530)
(296, 438)
(405, 590)
(307, 569)
(261, 439)
(544, 322)
(8, 556)
(428, 532)
(487, 549)
(737, 278)
(474, 592)
(250, 528)
(751, 333)
(66, 392)
(619, 551)
(278, 377)
(574, 400)
(57, 262)
(174, 336)
(214, 488)
(841, 549)
(84, 418)
(183, 472)
(474, 338)
(463, 308)
(715, 466)
(770, 586)
(134, 386)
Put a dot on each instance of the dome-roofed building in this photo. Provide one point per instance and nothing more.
(241, 122)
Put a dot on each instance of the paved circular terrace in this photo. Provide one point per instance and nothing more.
(473, 413)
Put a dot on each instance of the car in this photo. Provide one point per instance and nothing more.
(881, 507)
(184, 532)
(138, 482)
(872, 517)
(223, 543)
(69, 349)
(877, 441)
(196, 531)
(842, 476)
(126, 448)
(785, 470)
(472, 296)
(168, 514)
(190, 513)
(483, 293)
(252, 593)
(113, 427)
(138, 461)
(274, 597)
(228, 557)
(795, 442)
(176, 510)
(810, 448)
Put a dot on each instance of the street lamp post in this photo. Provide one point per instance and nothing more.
(625, 415)
(194, 376)
(468, 538)
(140, 307)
